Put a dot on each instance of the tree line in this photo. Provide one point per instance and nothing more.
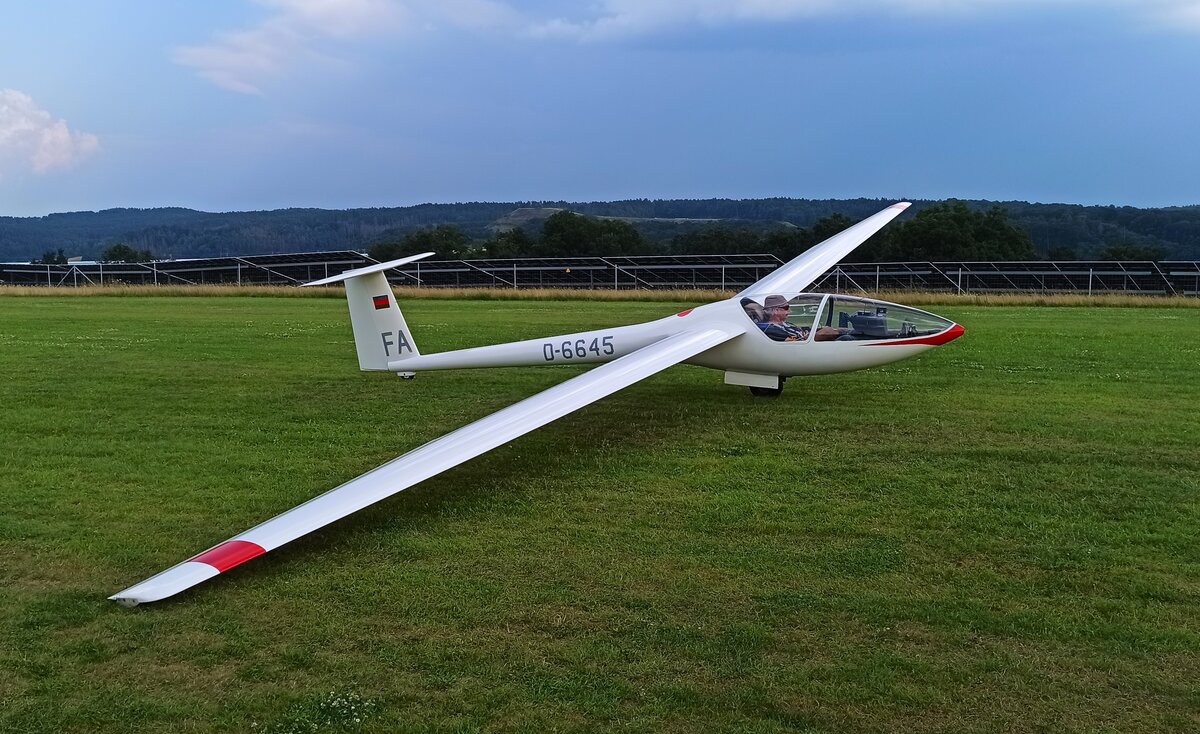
(946, 232)
(116, 253)
(638, 226)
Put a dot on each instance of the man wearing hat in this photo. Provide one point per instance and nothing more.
(777, 326)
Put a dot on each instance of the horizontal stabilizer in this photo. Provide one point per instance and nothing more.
(380, 267)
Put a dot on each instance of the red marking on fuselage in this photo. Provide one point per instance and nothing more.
(684, 313)
(933, 340)
(229, 554)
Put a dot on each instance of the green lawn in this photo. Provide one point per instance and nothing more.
(1000, 535)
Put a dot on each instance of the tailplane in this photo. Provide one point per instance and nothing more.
(380, 332)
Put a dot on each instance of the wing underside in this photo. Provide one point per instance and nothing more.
(426, 461)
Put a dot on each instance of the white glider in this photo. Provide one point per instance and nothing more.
(759, 337)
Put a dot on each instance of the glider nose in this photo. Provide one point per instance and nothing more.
(950, 334)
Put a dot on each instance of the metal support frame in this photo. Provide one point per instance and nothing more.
(647, 272)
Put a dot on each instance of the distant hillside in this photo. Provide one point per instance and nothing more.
(175, 232)
(526, 216)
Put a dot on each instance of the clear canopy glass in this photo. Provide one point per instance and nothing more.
(819, 317)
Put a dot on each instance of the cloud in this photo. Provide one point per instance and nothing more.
(1179, 15)
(30, 138)
(306, 31)
(241, 60)
(614, 19)
(617, 18)
(293, 33)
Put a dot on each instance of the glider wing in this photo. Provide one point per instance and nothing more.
(795, 275)
(426, 461)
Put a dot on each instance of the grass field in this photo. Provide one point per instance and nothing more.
(999, 535)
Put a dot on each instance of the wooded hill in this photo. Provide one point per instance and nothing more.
(1058, 231)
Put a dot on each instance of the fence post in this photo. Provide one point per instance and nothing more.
(722, 277)
(101, 273)
(1090, 281)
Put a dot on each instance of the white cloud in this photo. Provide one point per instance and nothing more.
(610, 19)
(1180, 15)
(30, 138)
(337, 18)
(295, 32)
(618, 18)
(299, 31)
(241, 60)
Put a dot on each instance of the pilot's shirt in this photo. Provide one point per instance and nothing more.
(784, 332)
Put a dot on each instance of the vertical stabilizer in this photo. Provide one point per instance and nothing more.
(380, 333)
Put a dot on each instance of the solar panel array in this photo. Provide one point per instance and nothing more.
(723, 272)
(287, 269)
(1168, 277)
(643, 272)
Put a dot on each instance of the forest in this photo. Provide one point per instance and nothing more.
(931, 230)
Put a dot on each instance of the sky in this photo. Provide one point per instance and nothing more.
(265, 104)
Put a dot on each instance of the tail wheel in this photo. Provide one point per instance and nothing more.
(766, 392)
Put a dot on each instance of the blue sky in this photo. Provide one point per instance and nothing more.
(263, 104)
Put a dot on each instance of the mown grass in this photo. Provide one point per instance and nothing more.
(999, 535)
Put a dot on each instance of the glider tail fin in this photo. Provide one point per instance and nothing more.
(381, 334)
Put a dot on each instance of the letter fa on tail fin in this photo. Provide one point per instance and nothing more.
(380, 333)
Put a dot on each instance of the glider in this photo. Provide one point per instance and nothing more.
(759, 337)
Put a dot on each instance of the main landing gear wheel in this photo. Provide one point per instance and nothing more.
(766, 392)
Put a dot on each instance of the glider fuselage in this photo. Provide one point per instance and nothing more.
(753, 352)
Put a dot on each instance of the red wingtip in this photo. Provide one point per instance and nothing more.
(229, 554)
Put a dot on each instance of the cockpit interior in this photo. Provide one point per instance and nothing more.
(822, 317)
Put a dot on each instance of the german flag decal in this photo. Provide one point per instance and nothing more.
(380, 302)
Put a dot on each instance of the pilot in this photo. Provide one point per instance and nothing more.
(777, 326)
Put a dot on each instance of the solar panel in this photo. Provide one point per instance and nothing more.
(725, 272)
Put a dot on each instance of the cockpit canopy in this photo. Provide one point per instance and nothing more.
(832, 317)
